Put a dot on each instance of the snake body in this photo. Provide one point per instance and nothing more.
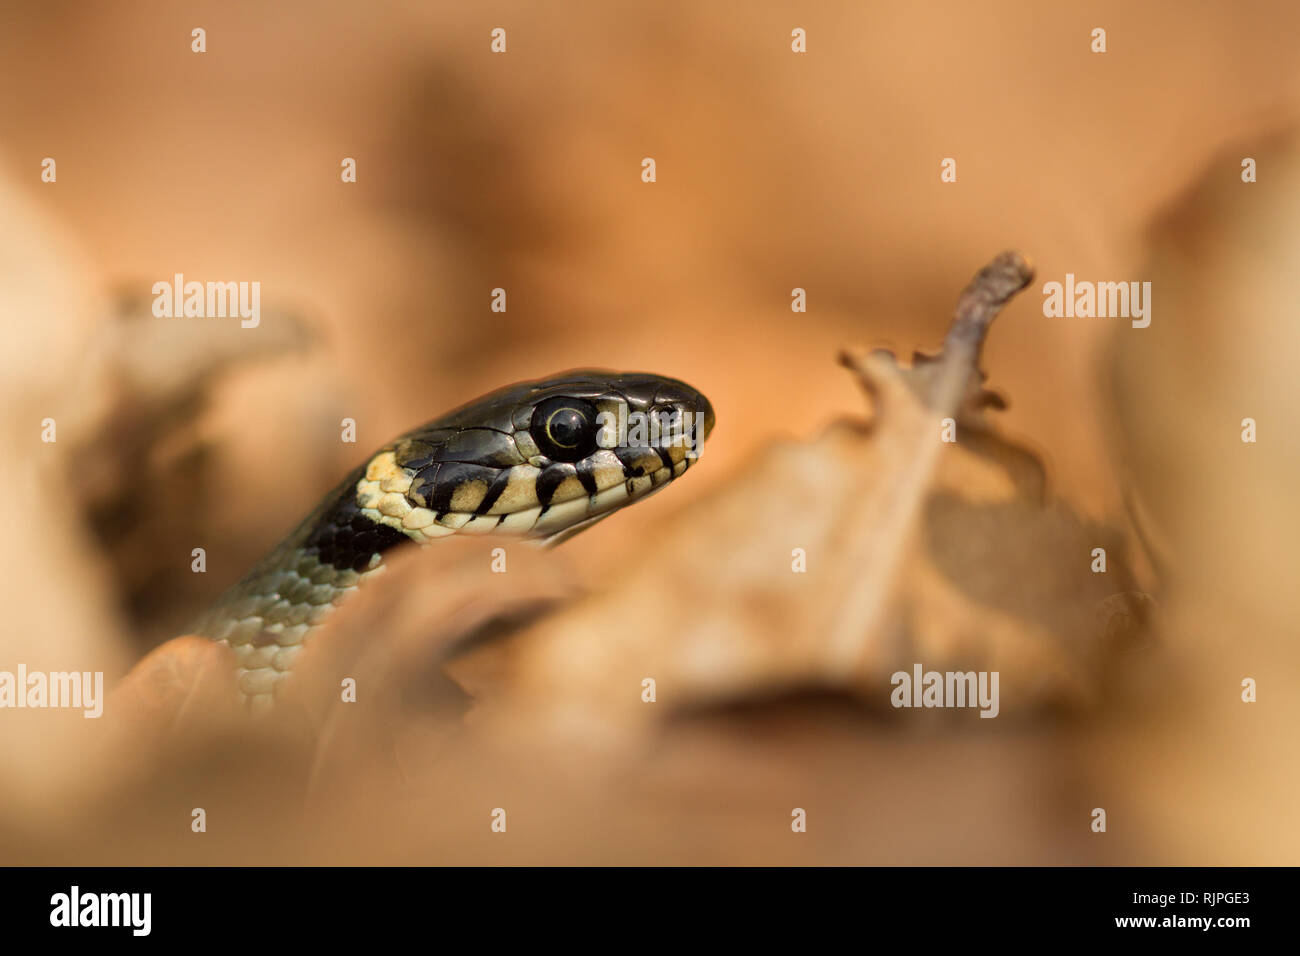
(541, 459)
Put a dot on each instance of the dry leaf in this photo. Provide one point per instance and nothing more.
(142, 471)
(1219, 512)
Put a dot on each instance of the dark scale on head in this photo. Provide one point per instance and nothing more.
(632, 460)
(551, 478)
(416, 453)
(499, 484)
(587, 475)
(480, 446)
(451, 476)
(447, 459)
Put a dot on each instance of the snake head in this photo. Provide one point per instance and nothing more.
(541, 459)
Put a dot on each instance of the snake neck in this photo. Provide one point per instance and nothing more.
(266, 616)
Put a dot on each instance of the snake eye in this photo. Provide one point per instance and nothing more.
(564, 428)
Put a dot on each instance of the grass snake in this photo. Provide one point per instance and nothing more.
(541, 459)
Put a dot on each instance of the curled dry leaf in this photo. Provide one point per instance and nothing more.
(140, 467)
(392, 642)
(187, 682)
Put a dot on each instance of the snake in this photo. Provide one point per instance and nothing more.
(539, 460)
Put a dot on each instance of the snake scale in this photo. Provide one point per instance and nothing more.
(541, 459)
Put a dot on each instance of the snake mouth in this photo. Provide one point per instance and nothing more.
(508, 470)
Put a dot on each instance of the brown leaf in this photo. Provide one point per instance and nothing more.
(188, 681)
(393, 641)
